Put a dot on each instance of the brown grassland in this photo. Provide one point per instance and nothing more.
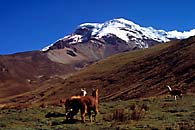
(132, 93)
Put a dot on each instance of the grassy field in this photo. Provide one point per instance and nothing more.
(162, 113)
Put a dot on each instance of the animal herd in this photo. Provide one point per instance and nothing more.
(83, 103)
(86, 104)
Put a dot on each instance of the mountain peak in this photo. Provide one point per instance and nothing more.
(129, 32)
(123, 21)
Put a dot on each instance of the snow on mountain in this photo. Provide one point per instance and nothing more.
(181, 35)
(125, 30)
(122, 28)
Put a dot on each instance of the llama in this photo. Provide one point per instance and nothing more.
(73, 110)
(85, 104)
(72, 107)
(94, 106)
(174, 92)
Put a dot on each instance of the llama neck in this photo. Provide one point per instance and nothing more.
(84, 93)
(95, 95)
(169, 88)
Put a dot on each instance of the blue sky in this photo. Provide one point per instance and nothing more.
(27, 25)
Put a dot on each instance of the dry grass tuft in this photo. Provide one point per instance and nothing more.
(138, 113)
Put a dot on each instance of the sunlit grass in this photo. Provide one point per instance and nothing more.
(159, 113)
(119, 60)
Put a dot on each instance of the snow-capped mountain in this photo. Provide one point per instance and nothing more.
(118, 35)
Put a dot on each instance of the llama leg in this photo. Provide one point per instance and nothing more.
(96, 112)
(89, 114)
(94, 117)
(83, 112)
(83, 117)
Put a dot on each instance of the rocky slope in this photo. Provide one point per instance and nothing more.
(142, 73)
(94, 41)
(136, 74)
(23, 72)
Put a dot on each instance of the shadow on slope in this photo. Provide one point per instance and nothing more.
(141, 73)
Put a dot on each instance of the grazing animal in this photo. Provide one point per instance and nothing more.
(85, 104)
(92, 104)
(72, 107)
(174, 92)
(72, 110)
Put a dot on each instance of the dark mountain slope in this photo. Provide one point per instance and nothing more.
(141, 73)
(26, 71)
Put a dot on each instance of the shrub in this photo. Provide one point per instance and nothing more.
(119, 115)
(132, 107)
(145, 107)
(138, 113)
(185, 125)
(2, 124)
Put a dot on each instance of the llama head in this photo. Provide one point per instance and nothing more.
(95, 92)
(83, 92)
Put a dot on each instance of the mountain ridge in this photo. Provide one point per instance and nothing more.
(141, 73)
(123, 29)
(94, 41)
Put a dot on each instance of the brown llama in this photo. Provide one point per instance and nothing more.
(72, 111)
(72, 107)
(85, 104)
